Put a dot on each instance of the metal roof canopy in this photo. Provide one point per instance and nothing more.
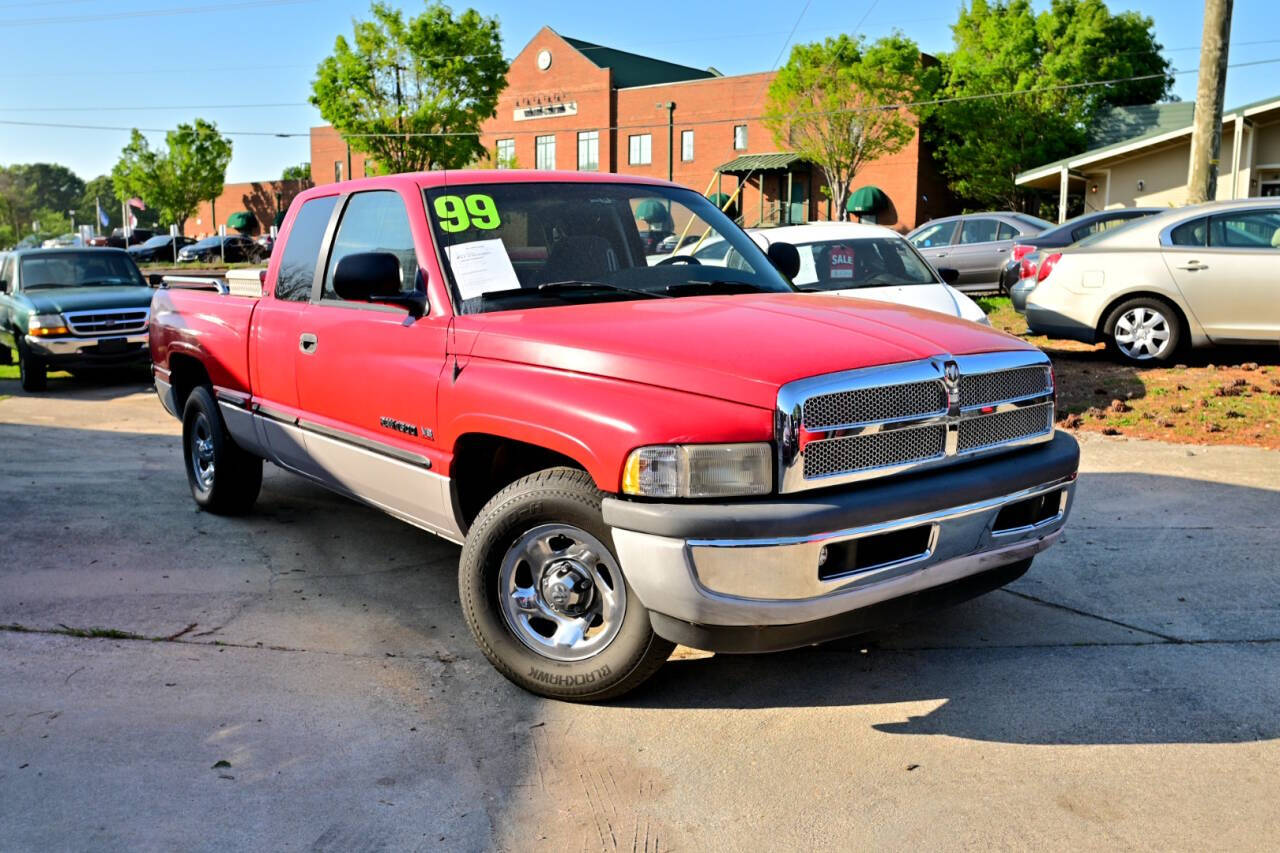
(781, 162)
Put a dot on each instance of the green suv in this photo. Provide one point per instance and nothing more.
(71, 309)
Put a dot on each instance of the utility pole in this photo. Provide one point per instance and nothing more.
(670, 107)
(1206, 132)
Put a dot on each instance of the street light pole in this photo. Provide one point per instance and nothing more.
(670, 107)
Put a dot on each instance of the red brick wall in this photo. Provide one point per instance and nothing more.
(257, 197)
(329, 154)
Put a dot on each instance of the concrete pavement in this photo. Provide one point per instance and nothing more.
(1124, 694)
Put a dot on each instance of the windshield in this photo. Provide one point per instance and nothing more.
(156, 242)
(869, 262)
(78, 269)
(206, 243)
(527, 245)
(1108, 233)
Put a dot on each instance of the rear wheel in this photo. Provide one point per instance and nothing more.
(224, 478)
(1144, 331)
(544, 596)
(32, 370)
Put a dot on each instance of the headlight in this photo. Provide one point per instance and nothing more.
(46, 325)
(699, 470)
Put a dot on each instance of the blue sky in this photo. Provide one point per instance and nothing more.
(129, 69)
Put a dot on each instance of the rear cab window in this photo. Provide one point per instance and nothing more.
(302, 250)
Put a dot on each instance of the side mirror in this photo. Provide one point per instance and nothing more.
(375, 277)
(155, 279)
(785, 258)
(950, 275)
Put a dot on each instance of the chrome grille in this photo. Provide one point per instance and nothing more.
(101, 323)
(874, 422)
(982, 389)
(867, 405)
(1003, 427)
(874, 450)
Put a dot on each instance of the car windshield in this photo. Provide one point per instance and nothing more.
(1108, 233)
(528, 245)
(156, 242)
(78, 269)
(206, 243)
(865, 262)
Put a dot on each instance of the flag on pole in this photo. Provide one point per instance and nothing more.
(133, 221)
(137, 202)
(102, 214)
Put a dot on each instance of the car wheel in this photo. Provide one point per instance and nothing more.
(544, 596)
(1144, 331)
(224, 478)
(32, 371)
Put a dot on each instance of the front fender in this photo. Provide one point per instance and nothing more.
(593, 420)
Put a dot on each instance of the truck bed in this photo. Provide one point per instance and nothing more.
(206, 325)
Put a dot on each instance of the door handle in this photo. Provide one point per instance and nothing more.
(939, 254)
(308, 343)
(1192, 266)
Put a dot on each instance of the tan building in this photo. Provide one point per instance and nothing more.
(1142, 156)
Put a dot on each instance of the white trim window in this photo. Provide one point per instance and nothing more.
(640, 149)
(544, 151)
(505, 153)
(686, 145)
(589, 151)
(740, 137)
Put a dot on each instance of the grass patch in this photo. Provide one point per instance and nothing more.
(1213, 396)
(99, 633)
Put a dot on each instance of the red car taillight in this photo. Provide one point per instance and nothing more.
(1046, 266)
(1020, 251)
(1026, 268)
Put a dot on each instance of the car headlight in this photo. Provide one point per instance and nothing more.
(46, 325)
(699, 470)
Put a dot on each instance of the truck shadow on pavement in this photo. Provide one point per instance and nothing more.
(98, 384)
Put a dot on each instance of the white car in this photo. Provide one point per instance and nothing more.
(1200, 275)
(865, 262)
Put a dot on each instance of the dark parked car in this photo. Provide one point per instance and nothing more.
(117, 240)
(1025, 254)
(976, 244)
(239, 249)
(158, 248)
(64, 309)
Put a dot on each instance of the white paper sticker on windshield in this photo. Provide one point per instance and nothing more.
(480, 267)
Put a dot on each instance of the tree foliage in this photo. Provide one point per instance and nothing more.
(174, 180)
(836, 103)
(300, 172)
(436, 73)
(1004, 47)
(37, 191)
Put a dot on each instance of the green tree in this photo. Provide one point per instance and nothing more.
(400, 80)
(300, 172)
(30, 188)
(1003, 48)
(174, 180)
(100, 190)
(836, 103)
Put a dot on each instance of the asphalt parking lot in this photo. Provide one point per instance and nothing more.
(1124, 694)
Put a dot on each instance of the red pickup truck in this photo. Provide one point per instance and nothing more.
(634, 451)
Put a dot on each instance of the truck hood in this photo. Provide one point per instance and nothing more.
(56, 300)
(737, 348)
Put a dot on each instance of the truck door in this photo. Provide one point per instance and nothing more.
(276, 322)
(368, 374)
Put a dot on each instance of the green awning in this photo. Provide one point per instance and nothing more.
(242, 221)
(279, 220)
(719, 199)
(784, 161)
(867, 199)
(653, 211)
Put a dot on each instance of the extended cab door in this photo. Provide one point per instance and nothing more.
(276, 323)
(1228, 269)
(368, 374)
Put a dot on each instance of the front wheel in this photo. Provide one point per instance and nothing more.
(544, 596)
(224, 478)
(33, 372)
(1144, 331)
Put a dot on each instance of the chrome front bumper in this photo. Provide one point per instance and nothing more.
(86, 348)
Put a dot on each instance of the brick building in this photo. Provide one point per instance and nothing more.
(574, 105)
(266, 200)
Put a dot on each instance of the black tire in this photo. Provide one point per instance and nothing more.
(555, 496)
(228, 479)
(6, 354)
(1168, 325)
(32, 370)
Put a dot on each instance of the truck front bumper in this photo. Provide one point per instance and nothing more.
(72, 352)
(799, 569)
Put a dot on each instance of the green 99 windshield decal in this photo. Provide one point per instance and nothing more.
(458, 213)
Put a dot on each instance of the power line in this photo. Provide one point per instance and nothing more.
(148, 13)
(171, 107)
(736, 119)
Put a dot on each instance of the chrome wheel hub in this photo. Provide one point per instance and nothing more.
(202, 453)
(1142, 333)
(561, 592)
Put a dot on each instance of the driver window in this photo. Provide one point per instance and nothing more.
(934, 235)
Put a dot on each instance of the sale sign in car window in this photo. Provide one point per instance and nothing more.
(840, 262)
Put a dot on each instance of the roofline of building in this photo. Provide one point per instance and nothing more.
(698, 80)
(1125, 146)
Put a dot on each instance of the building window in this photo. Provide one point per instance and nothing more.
(589, 151)
(337, 171)
(740, 137)
(686, 145)
(506, 154)
(545, 152)
(641, 153)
